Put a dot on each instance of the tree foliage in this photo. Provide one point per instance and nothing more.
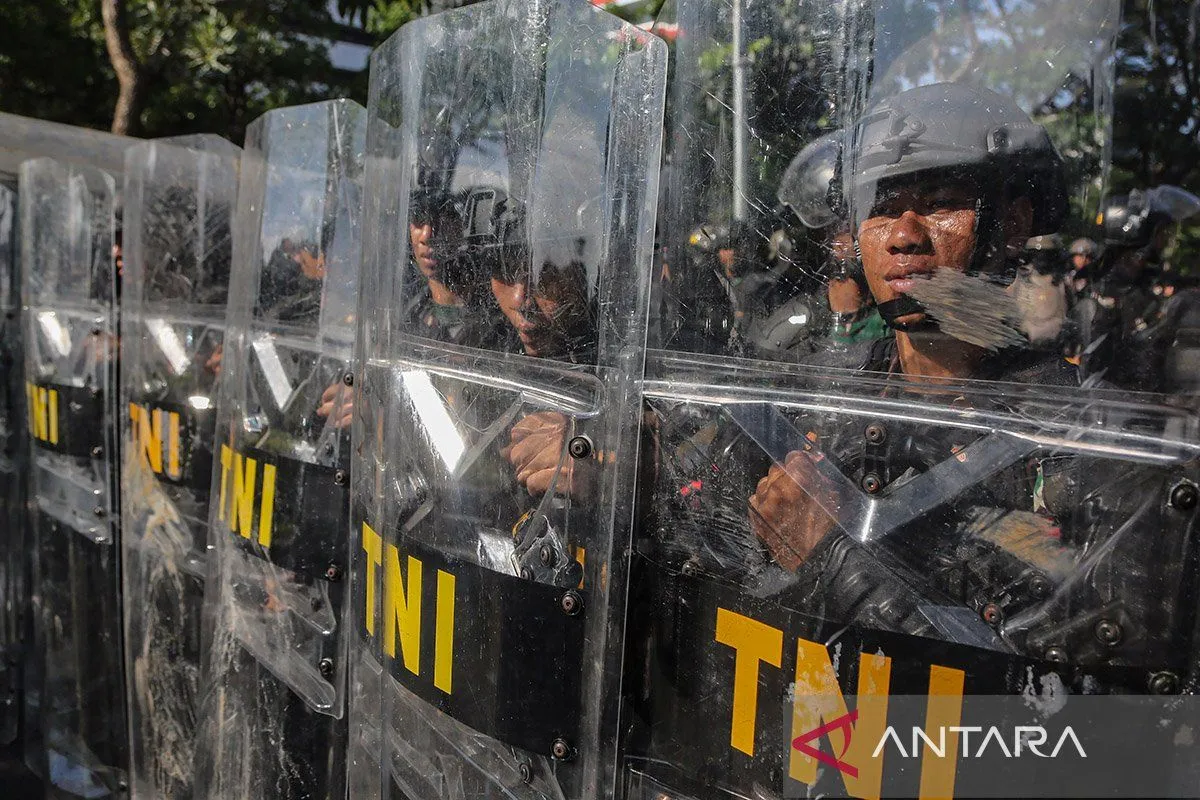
(205, 65)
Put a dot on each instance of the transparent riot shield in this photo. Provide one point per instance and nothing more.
(272, 711)
(14, 467)
(77, 738)
(898, 521)
(515, 151)
(178, 207)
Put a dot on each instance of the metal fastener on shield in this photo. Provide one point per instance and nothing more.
(562, 750)
(580, 447)
(571, 603)
(1184, 496)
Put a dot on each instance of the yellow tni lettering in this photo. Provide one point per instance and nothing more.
(402, 609)
(372, 544)
(818, 698)
(753, 642)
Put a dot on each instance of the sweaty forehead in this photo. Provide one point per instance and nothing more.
(943, 184)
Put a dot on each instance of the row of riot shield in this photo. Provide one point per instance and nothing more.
(900, 499)
(200, 652)
(828, 471)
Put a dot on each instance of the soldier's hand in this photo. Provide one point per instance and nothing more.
(329, 399)
(213, 364)
(535, 451)
(785, 517)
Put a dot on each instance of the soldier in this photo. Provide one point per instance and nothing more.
(934, 198)
(1084, 253)
(812, 189)
(1130, 329)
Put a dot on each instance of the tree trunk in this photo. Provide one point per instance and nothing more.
(125, 64)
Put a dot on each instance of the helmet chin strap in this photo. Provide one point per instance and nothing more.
(902, 306)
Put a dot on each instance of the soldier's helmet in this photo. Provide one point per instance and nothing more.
(1131, 220)
(812, 183)
(962, 130)
(1085, 247)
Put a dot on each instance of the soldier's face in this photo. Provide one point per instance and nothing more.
(420, 236)
(546, 317)
(914, 228)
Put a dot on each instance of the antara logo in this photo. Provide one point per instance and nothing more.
(1024, 738)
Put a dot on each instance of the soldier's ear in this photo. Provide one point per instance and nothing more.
(1018, 223)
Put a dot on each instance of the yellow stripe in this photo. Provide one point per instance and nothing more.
(443, 647)
(53, 416)
(173, 445)
(268, 506)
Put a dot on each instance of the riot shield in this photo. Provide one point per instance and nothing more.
(272, 710)
(515, 151)
(178, 205)
(14, 466)
(892, 529)
(77, 738)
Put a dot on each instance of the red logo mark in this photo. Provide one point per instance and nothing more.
(845, 723)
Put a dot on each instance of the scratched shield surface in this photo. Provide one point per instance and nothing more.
(877, 420)
(14, 468)
(179, 201)
(272, 707)
(513, 151)
(75, 700)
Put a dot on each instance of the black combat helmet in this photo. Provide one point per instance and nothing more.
(962, 130)
(812, 184)
(1132, 220)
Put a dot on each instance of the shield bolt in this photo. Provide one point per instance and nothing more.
(871, 483)
(325, 667)
(562, 750)
(689, 568)
(348, 379)
(572, 603)
(339, 477)
(526, 573)
(1164, 683)
(526, 773)
(546, 555)
(333, 573)
(97, 452)
(992, 614)
(1184, 496)
(98, 511)
(1057, 654)
(876, 433)
(580, 447)
(1107, 632)
(1039, 585)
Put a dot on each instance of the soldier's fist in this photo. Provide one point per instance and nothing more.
(785, 516)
